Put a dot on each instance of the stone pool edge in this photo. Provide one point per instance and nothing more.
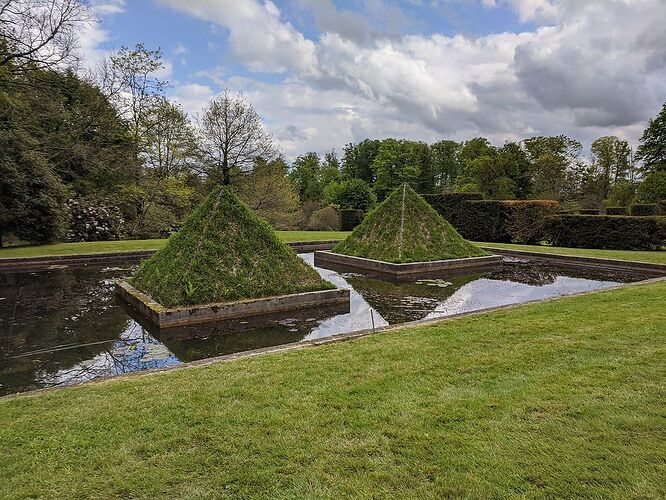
(304, 344)
(165, 317)
(408, 269)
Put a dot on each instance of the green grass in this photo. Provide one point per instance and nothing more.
(405, 228)
(561, 399)
(656, 257)
(224, 252)
(138, 245)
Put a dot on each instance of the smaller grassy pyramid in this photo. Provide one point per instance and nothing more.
(405, 228)
(223, 253)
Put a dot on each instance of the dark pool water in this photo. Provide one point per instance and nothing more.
(64, 325)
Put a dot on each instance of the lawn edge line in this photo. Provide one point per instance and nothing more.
(334, 339)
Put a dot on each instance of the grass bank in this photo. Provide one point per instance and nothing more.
(559, 399)
(656, 257)
(138, 245)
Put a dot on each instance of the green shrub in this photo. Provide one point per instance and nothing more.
(325, 219)
(350, 218)
(644, 209)
(157, 222)
(351, 194)
(589, 211)
(94, 220)
(607, 231)
(616, 210)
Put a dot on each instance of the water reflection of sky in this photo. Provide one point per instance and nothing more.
(359, 317)
(484, 293)
(136, 350)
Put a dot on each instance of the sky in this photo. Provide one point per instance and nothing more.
(323, 73)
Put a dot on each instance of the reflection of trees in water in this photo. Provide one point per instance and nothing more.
(206, 340)
(136, 350)
(528, 274)
(398, 302)
(61, 318)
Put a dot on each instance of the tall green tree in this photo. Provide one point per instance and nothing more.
(555, 164)
(445, 163)
(31, 196)
(611, 161)
(396, 162)
(358, 158)
(305, 174)
(652, 148)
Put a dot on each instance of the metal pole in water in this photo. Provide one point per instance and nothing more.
(372, 317)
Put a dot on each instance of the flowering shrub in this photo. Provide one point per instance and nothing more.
(94, 220)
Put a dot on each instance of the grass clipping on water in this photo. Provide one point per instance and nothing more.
(223, 253)
(405, 228)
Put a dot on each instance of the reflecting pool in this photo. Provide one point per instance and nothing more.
(64, 325)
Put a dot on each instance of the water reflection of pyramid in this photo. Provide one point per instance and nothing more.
(398, 302)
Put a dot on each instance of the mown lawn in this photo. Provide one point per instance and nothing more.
(559, 399)
(137, 245)
(656, 257)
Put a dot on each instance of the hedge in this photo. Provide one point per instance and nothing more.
(643, 210)
(616, 210)
(350, 218)
(607, 231)
(589, 211)
(499, 221)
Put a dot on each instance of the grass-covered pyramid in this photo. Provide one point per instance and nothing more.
(224, 253)
(405, 228)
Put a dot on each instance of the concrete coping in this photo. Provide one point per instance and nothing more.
(164, 317)
(598, 263)
(409, 269)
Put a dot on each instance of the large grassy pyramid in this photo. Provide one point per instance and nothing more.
(405, 228)
(224, 253)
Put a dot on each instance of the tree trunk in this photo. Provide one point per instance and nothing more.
(226, 180)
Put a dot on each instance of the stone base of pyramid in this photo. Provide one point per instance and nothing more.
(164, 317)
(411, 270)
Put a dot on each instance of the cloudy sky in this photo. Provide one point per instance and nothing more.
(326, 72)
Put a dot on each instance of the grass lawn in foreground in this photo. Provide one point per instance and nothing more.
(558, 399)
(656, 257)
(138, 245)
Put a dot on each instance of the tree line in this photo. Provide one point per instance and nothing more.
(106, 154)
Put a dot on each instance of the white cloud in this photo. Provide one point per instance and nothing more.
(593, 68)
(257, 35)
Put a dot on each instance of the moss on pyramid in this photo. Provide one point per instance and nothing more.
(405, 228)
(223, 253)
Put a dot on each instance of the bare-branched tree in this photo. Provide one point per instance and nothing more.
(130, 79)
(41, 34)
(232, 137)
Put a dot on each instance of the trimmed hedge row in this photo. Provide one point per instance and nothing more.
(350, 218)
(531, 221)
(607, 231)
(501, 221)
(643, 210)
